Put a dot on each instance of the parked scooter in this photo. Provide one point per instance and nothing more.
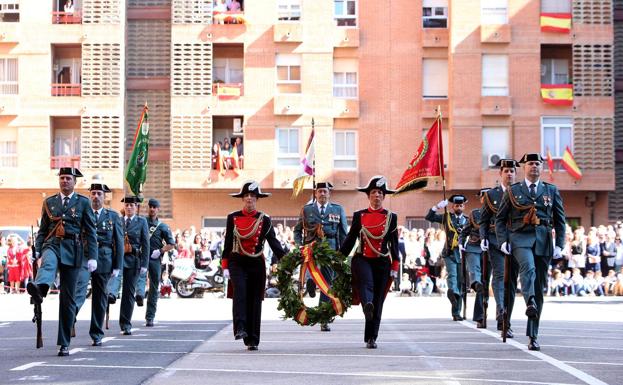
(189, 281)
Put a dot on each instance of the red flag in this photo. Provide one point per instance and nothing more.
(550, 165)
(569, 164)
(426, 163)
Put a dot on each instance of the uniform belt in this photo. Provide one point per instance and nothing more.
(104, 244)
(546, 222)
(70, 236)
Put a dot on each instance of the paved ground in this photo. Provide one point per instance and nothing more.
(192, 343)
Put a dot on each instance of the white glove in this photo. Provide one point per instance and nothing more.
(441, 204)
(92, 265)
(143, 270)
(393, 274)
(155, 254)
(461, 247)
(226, 273)
(506, 248)
(115, 272)
(37, 254)
(557, 252)
(484, 245)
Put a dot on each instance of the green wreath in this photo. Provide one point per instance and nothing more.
(291, 302)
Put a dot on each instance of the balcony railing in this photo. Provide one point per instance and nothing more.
(229, 17)
(228, 90)
(64, 161)
(67, 17)
(66, 89)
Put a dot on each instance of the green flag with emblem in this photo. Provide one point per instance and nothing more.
(136, 172)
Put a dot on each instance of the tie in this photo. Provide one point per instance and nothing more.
(322, 210)
(65, 202)
(127, 224)
(97, 215)
(533, 190)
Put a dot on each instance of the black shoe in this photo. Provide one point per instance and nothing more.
(531, 310)
(457, 318)
(139, 300)
(35, 292)
(452, 297)
(371, 344)
(127, 332)
(63, 351)
(477, 287)
(240, 334)
(509, 333)
(325, 328)
(112, 299)
(97, 343)
(310, 286)
(480, 324)
(252, 347)
(368, 311)
(534, 345)
(149, 323)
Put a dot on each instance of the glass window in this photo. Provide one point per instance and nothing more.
(556, 135)
(493, 12)
(66, 142)
(345, 84)
(435, 78)
(495, 145)
(228, 70)
(345, 150)
(9, 11)
(289, 10)
(435, 13)
(345, 12)
(288, 74)
(494, 75)
(288, 147)
(554, 71)
(556, 6)
(8, 154)
(8, 76)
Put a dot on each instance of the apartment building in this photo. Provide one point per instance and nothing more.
(371, 76)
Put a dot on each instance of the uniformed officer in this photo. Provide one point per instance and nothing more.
(110, 253)
(533, 208)
(376, 260)
(451, 252)
(67, 221)
(489, 242)
(160, 241)
(243, 255)
(135, 259)
(321, 219)
(470, 241)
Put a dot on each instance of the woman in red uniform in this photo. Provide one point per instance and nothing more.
(243, 262)
(376, 260)
(14, 264)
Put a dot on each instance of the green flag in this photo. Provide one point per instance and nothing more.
(136, 173)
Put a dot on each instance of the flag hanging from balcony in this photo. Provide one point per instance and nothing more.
(220, 161)
(306, 168)
(556, 22)
(426, 163)
(550, 165)
(557, 94)
(136, 171)
(569, 164)
(235, 160)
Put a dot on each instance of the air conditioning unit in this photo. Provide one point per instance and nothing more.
(493, 158)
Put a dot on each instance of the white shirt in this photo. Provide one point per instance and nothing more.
(319, 206)
(130, 218)
(528, 183)
(68, 196)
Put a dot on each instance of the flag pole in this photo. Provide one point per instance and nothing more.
(440, 153)
(313, 165)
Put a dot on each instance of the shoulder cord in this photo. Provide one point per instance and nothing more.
(366, 235)
(58, 229)
(490, 204)
(238, 237)
(317, 229)
(530, 218)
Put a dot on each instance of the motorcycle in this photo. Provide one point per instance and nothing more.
(189, 281)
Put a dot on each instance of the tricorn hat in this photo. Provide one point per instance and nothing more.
(482, 191)
(457, 199)
(132, 199)
(507, 163)
(531, 157)
(70, 171)
(251, 187)
(326, 185)
(376, 182)
(99, 187)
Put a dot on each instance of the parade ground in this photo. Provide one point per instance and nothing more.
(192, 342)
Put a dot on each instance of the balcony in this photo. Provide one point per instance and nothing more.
(288, 104)
(64, 161)
(287, 33)
(63, 89)
(9, 11)
(228, 90)
(495, 105)
(67, 17)
(228, 17)
(345, 108)
(435, 37)
(66, 70)
(500, 33)
(346, 37)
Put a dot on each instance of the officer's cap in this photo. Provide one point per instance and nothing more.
(508, 163)
(377, 182)
(326, 185)
(132, 199)
(457, 199)
(532, 157)
(99, 187)
(70, 171)
(250, 187)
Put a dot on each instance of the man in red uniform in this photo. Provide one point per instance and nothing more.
(376, 260)
(243, 262)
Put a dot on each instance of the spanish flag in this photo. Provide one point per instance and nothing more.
(569, 164)
(556, 22)
(550, 164)
(557, 94)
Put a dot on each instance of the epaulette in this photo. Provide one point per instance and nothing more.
(82, 196)
(50, 197)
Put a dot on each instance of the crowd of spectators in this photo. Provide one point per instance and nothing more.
(16, 267)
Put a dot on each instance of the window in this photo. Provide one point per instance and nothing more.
(288, 147)
(345, 149)
(494, 75)
(66, 142)
(228, 70)
(288, 74)
(435, 78)
(495, 145)
(554, 71)
(493, 12)
(8, 153)
(556, 6)
(9, 11)
(345, 78)
(556, 135)
(8, 76)
(345, 13)
(289, 10)
(435, 13)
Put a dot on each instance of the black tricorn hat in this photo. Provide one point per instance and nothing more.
(326, 185)
(457, 199)
(507, 163)
(131, 199)
(251, 187)
(70, 171)
(531, 157)
(376, 182)
(482, 191)
(100, 187)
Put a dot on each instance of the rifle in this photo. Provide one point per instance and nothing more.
(107, 313)
(38, 316)
(507, 294)
(485, 287)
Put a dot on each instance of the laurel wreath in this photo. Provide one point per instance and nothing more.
(291, 302)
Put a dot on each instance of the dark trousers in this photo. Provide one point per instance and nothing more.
(248, 276)
(479, 307)
(99, 301)
(512, 288)
(130, 277)
(154, 282)
(67, 303)
(372, 276)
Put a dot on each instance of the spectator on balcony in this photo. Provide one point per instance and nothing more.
(226, 152)
(220, 11)
(240, 148)
(69, 7)
(234, 6)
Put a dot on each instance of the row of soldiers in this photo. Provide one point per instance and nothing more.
(510, 236)
(82, 240)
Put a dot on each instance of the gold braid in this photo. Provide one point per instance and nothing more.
(490, 204)
(530, 218)
(238, 237)
(366, 235)
(58, 230)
